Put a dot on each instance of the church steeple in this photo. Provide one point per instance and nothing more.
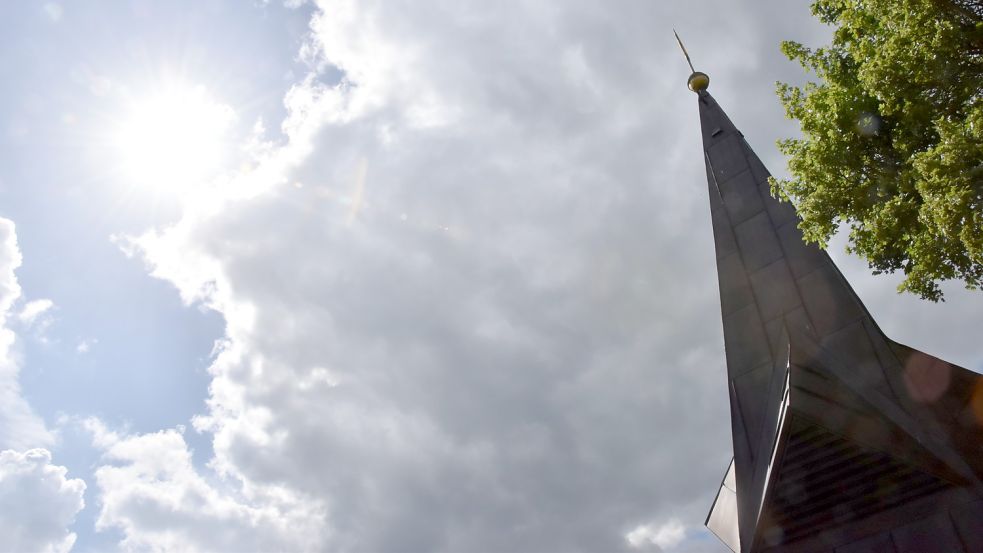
(822, 403)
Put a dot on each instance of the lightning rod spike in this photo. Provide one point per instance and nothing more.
(683, 48)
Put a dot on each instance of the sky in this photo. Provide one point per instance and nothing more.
(378, 275)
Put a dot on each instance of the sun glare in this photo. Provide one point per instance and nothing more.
(173, 140)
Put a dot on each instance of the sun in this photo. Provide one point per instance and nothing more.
(173, 140)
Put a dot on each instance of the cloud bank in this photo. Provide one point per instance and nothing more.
(152, 492)
(38, 502)
(20, 427)
(441, 296)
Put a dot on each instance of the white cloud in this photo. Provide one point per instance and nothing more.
(452, 367)
(663, 536)
(33, 309)
(38, 502)
(511, 343)
(84, 346)
(20, 428)
(10, 260)
(152, 493)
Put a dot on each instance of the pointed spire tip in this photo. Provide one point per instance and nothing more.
(697, 81)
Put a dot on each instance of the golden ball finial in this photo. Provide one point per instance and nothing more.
(698, 81)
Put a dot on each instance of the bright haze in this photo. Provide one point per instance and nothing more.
(378, 275)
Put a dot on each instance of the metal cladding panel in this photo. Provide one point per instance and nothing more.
(932, 535)
(950, 392)
(713, 121)
(758, 168)
(740, 196)
(722, 520)
(752, 390)
(745, 343)
(735, 290)
(758, 243)
(880, 543)
(730, 480)
(830, 303)
(742, 445)
(802, 258)
(927, 380)
(882, 345)
(775, 290)
(781, 212)
(777, 335)
(969, 524)
(727, 158)
(723, 235)
(852, 345)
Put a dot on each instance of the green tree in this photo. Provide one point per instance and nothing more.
(892, 137)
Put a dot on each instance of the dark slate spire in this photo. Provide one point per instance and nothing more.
(807, 365)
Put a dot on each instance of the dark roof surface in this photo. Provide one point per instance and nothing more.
(791, 321)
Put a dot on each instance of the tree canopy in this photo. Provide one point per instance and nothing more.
(892, 137)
